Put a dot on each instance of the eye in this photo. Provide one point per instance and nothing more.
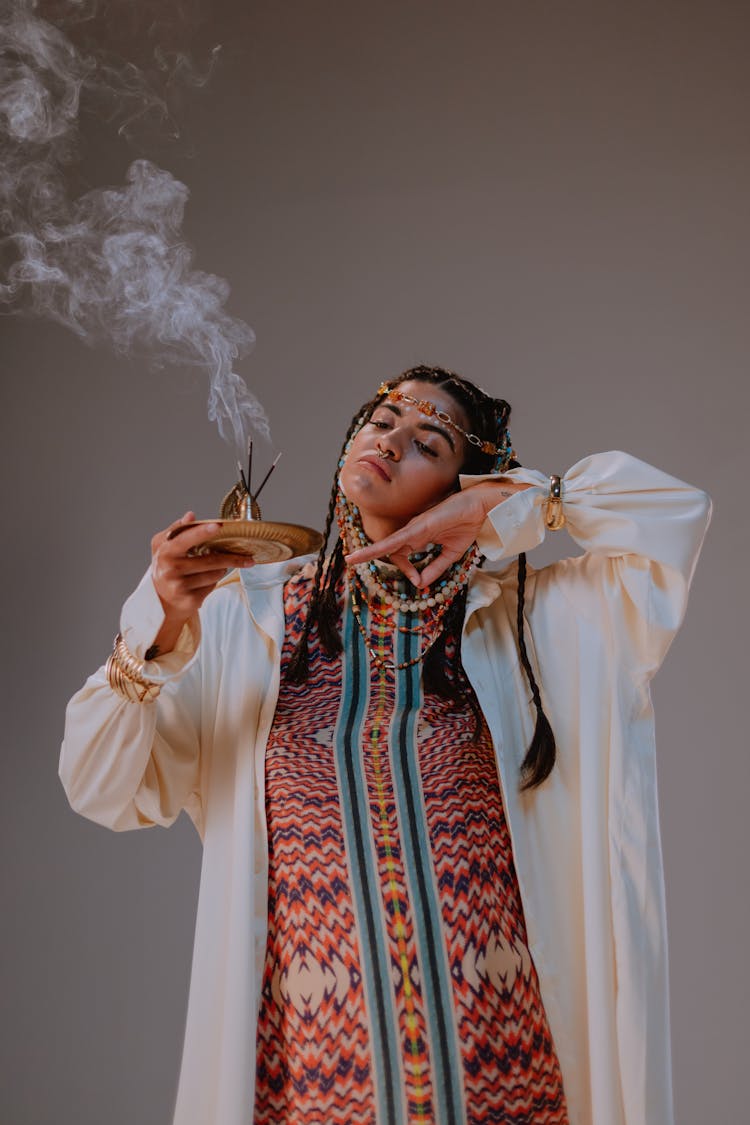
(379, 424)
(426, 449)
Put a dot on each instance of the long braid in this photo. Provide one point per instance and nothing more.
(436, 666)
(541, 754)
(299, 661)
(323, 590)
(328, 606)
(446, 677)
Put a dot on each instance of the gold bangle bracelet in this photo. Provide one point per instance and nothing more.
(125, 675)
(555, 517)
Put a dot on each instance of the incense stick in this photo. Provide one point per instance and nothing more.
(265, 478)
(242, 478)
(249, 463)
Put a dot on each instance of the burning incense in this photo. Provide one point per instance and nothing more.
(242, 478)
(255, 495)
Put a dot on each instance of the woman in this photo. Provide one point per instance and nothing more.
(358, 741)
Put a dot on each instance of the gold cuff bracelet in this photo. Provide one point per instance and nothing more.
(125, 675)
(555, 517)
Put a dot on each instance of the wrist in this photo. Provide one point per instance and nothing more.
(167, 637)
(494, 492)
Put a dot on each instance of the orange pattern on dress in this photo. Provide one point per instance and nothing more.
(315, 1059)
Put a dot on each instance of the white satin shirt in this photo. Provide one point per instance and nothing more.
(586, 843)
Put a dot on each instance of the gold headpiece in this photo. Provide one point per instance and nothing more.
(504, 452)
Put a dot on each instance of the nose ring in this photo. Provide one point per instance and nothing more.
(383, 454)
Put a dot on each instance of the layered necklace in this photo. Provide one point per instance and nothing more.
(391, 598)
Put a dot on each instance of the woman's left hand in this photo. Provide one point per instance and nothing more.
(454, 523)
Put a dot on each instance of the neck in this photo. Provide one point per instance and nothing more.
(377, 528)
(374, 528)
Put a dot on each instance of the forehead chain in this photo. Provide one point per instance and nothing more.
(424, 406)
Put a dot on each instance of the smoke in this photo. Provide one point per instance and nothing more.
(111, 265)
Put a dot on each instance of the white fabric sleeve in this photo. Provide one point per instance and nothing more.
(641, 529)
(140, 621)
(133, 765)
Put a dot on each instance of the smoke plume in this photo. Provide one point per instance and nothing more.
(112, 265)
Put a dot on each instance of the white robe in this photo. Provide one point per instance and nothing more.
(586, 843)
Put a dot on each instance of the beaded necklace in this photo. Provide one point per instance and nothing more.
(389, 595)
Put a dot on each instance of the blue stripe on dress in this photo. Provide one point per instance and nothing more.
(437, 985)
(366, 893)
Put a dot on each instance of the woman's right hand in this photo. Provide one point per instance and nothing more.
(183, 580)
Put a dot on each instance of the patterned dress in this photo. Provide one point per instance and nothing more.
(398, 987)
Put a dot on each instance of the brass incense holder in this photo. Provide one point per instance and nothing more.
(242, 530)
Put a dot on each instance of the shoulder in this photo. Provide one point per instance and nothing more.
(566, 586)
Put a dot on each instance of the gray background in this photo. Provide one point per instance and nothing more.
(549, 197)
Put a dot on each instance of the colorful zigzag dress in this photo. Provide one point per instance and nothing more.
(398, 988)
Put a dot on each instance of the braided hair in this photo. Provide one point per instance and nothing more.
(443, 672)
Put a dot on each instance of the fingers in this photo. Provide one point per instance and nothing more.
(186, 540)
(421, 533)
(403, 542)
(184, 569)
(172, 530)
(196, 565)
(454, 523)
(186, 533)
(401, 560)
(398, 547)
(168, 566)
(436, 568)
(206, 580)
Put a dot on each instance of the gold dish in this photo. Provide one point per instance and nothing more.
(263, 540)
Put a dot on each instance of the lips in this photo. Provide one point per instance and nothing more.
(375, 463)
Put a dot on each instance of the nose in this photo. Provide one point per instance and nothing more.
(388, 447)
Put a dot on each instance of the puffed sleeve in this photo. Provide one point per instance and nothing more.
(133, 765)
(641, 531)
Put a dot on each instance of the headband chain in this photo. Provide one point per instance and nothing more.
(502, 452)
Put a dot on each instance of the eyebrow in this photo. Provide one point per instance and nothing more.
(423, 425)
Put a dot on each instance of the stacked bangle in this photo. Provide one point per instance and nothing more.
(125, 675)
